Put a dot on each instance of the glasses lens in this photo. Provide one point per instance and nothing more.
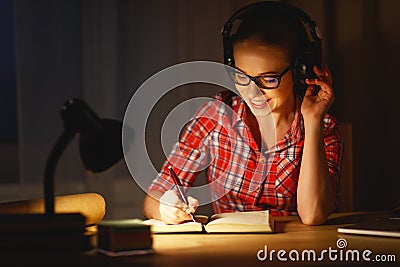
(239, 77)
(270, 82)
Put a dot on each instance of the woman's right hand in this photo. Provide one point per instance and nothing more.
(173, 210)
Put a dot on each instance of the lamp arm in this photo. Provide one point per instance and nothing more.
(50, 169)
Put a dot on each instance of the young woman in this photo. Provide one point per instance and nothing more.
(291, 167)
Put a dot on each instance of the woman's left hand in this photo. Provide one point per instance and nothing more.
(315, 106)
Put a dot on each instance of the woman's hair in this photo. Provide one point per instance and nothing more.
(278, 30)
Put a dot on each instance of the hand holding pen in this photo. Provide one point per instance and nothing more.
(172, 208)
(178, 186)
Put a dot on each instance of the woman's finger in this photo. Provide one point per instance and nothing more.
(309, 91)
(325, 86)
(326, 70)
(173, 215)
(323, 74)
(193, 204)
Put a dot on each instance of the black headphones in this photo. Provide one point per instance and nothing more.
(311, 50)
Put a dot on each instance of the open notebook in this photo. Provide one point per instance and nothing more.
(237, 222)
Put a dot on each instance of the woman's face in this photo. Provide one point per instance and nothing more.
(254, 59)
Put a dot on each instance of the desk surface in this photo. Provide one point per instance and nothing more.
(291, 237)
(242, 249)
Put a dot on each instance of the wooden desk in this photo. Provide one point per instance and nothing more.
(207, 250)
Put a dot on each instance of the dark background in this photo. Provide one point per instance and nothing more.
(102, 51)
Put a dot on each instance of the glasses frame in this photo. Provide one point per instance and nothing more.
(257, 79)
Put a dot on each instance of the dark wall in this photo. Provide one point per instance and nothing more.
(8, 77)
(364, 59)
(49, 64)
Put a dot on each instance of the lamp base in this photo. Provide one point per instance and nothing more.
(41, 232)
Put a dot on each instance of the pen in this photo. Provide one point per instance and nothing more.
(178, 186)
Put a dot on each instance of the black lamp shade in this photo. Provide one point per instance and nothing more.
(100, 140)
(101, 148)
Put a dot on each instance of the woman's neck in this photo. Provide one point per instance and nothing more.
(280, 119)
(284, 114)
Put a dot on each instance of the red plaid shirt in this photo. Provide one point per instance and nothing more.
(243, 178)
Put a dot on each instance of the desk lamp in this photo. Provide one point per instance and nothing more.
(100, 145)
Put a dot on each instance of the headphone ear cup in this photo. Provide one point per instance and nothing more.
(299, 76)
(227, 44)
(304, 68)
(228, 55)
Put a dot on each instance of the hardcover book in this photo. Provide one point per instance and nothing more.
(236, 222)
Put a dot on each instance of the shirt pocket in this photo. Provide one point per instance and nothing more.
(287, 176)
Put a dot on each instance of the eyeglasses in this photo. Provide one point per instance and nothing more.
(264, 81)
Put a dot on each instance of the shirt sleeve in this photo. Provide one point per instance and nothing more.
(334, 148)
(190, 155)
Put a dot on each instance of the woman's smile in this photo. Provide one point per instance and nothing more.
(259, 103)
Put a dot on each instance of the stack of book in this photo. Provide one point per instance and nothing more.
(123, 237)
